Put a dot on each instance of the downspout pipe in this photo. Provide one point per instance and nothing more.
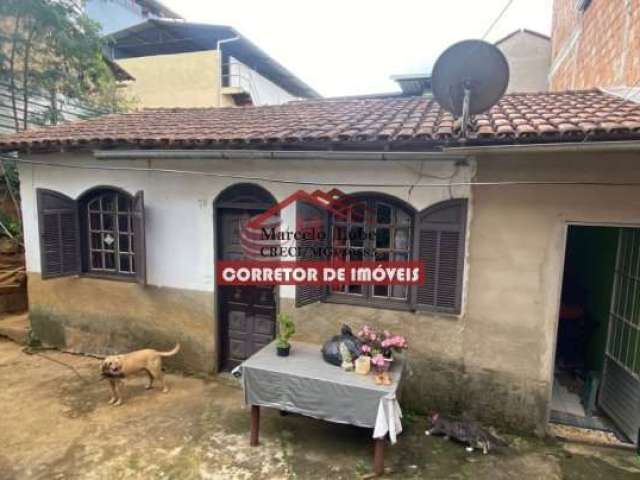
(219, 44)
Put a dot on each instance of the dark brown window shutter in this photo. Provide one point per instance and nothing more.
(440, 245)
(308, 215)
(59, 234)
(139, 244)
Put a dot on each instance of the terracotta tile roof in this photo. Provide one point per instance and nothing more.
(395, 123)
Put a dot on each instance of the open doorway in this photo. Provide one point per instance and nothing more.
(597, 375)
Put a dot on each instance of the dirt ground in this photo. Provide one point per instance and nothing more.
(56, 425)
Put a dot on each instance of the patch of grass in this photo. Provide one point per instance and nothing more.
(362, 468)
(410, 417)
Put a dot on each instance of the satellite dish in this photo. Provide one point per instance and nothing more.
(470, 77)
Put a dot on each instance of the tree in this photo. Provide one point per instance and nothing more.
(50, 49)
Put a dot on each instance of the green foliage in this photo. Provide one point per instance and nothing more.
(51, 48)
(287, 330)
(12, 225)
(10, 221)
(11, 172)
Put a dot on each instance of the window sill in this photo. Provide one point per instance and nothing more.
(116, 278)
(439, 314)
(378, 304)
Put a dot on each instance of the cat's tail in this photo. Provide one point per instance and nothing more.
(496, 441)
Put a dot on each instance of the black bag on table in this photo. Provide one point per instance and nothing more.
(331, 349)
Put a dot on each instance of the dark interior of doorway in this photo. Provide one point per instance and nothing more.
(587, 288)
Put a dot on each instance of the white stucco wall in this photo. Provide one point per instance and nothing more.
(179, 207)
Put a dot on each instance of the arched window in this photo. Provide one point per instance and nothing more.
(109, 232)
(99, 234)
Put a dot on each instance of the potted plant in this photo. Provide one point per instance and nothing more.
(286, 331)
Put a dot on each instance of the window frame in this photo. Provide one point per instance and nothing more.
(371, 201)
(86, 249)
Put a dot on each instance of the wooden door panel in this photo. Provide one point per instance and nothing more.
(247, 313)
(264, 296)
(264, 325)
(260, 343)
(238, 323)
(238, 350)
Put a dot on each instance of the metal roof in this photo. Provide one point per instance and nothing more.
(414, 84)
(165, 36)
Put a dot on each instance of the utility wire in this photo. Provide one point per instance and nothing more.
(319, 182)
(500, 15)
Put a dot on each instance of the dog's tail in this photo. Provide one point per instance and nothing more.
(170, 353)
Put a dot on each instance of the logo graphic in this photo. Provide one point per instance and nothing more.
(263, 239)
(306, 255)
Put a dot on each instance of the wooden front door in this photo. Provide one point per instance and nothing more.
(247, 313)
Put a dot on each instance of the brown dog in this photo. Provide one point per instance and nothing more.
(117, 367)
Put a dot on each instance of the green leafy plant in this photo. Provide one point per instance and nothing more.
(10, 218)
(287, 330)
(51, 55)
(51, 50)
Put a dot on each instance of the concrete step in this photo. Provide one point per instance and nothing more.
(15, 327)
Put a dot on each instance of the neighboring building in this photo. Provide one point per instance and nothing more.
(529, 56)
(182, 64)
(595, 44)
(482, 328)
(527, 52)
(114, 15)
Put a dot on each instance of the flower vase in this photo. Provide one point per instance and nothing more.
(382, 372)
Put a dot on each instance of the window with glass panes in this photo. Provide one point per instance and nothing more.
(372, 229)
(110, 233)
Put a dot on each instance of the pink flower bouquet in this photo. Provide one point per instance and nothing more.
(383, 343)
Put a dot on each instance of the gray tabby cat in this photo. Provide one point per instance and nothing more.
(465, 431)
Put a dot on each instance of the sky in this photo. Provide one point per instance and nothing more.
(351, 47)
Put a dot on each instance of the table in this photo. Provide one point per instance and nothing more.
(304, 383)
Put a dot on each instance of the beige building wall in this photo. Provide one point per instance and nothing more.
(516, 261)
(188, 80)
(529, 58)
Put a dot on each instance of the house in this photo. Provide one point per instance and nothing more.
(184, 64)
(595, 43)
(114, 15)
(528, 54)
(126, 215)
